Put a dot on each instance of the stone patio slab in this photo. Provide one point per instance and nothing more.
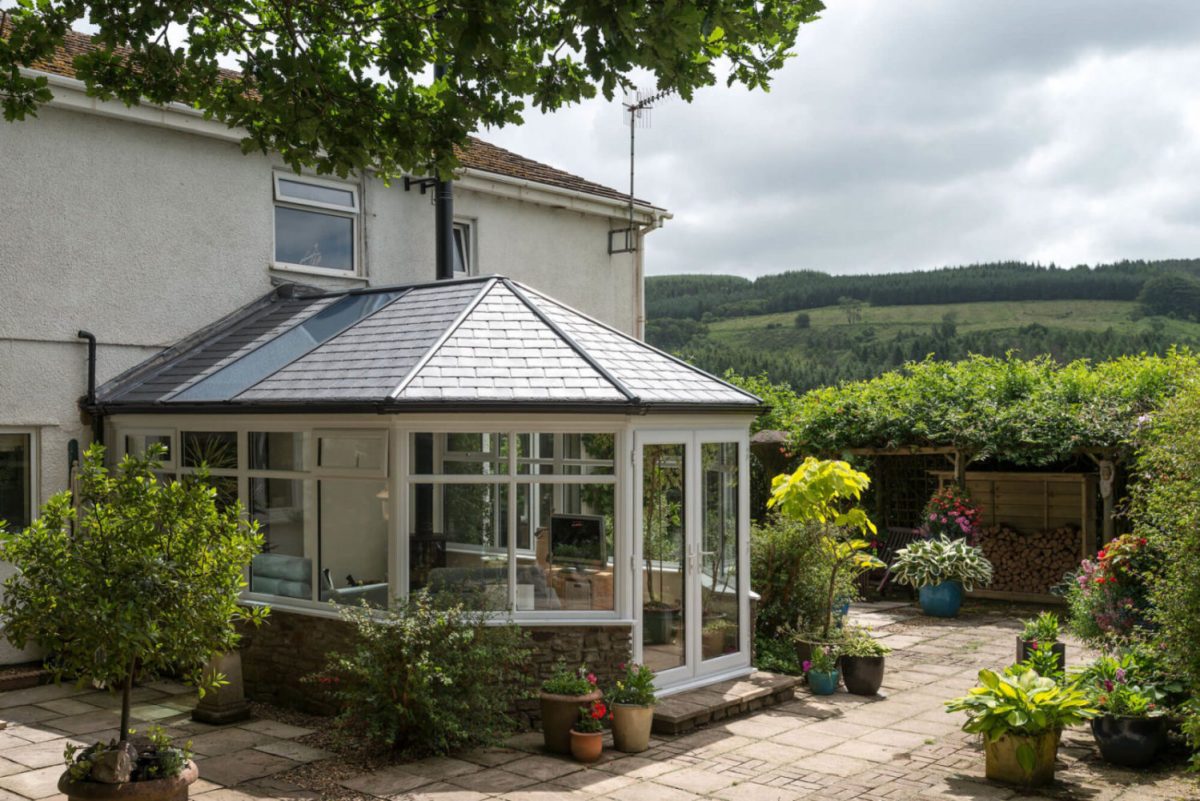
(242, 766)
(33, 784)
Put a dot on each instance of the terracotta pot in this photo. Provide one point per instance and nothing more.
(863, 675)
(172, 789)
(559, 713)
(586, 746)
(631, 725)
(1002, 764)
(1024, 649)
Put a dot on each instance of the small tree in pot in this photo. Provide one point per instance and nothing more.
(142, 578)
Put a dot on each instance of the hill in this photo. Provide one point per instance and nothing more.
(1069, 314)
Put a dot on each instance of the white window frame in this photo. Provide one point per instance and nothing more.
(34, 465)
(279, 198)
(467, 226)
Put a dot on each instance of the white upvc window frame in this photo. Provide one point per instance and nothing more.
(279, 197)
(468, 227)
(35, 473)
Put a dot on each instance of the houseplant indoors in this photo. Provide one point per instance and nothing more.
(1038, 631)
(822, 671)
(1020, 717)
(631, 703)
(587, 735)
(561, 697)
(941, 569)
(143, 578)
(862, 662)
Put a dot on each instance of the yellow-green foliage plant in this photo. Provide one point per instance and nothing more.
(827, 492)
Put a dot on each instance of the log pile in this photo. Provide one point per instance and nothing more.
(1029, 562)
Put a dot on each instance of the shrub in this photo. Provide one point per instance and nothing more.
(802, 320)
(142, 578)
(925, 563)
(1108, 597)
(427, 677)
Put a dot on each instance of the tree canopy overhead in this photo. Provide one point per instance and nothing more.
(342, 85)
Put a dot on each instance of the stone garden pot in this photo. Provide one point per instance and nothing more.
(559, 713)
(1001, 763)
(1025, 648)
(631, 725)
(863, 675)
(172, 789)
(941, 600)
(1130, 742)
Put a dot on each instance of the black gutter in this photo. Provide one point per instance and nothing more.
(575, 346)
(89, 401)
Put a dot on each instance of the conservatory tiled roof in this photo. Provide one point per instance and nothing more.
(484, 342)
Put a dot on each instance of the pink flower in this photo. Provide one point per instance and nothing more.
(591, 677)
(807, 665)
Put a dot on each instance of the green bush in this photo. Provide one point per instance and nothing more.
(790, 569)
(428, 677)
(1166, 512)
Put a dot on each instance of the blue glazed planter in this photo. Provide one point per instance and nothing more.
(822, 683)
(942, 600)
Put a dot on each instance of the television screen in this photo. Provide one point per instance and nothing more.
(577, 538)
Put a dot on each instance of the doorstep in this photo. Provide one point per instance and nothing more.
(677, 714)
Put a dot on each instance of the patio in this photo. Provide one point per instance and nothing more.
(901, 746)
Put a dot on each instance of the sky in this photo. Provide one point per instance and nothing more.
(913, 134)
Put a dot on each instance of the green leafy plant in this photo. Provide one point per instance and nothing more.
(1109, 597)
(857, 641)
(1041, 629)
(951, 513)
(925, 563)
(1140, 668)
(142, 578)
(1025, 705)
(635, 686)
(824, 660)
(826, 492)
(1042, 660)
(591, 718)
(427, 677)
(564, 681)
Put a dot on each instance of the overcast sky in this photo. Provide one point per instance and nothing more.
(910, 134)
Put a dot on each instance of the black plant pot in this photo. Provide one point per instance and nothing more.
(863, 675)
(1130, 742)
(1024, 649)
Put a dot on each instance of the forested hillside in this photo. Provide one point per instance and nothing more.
(810, 329)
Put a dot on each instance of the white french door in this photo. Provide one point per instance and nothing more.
(691, 556)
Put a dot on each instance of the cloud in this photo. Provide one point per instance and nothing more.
(918, 133)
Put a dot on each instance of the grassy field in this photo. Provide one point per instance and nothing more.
(778, 330)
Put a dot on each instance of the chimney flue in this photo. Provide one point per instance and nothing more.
(443, 200)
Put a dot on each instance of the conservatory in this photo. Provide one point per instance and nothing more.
(471, 438)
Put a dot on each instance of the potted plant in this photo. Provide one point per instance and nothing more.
(631, 703)
(1134, 697)
(862, 662)
(718, 635)
(941, 569)
(142, 578)
(822, 671)
(1020, 717)
(951, 513)
(561, 697)
(1039, 631)
(825, 492)
(587, 735)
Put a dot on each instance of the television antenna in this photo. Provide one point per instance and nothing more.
(637, 115)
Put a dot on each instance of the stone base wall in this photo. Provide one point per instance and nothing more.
(288, 646)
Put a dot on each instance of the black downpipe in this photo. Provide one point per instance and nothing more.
(90, 400)
(444, 215)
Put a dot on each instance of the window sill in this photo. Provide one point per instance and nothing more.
(331, 611)
(326, 272)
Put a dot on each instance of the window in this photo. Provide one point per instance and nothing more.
(534, 536)
(462, 248)
(16, 479)
(216, 452)
(316, 224)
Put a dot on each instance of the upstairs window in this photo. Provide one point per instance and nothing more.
(316, 224)
(462, 249)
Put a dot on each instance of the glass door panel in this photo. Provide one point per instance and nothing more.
(719, 591)
(665, 581)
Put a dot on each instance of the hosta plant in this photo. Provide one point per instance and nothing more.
(925, 563)
(1024, 705)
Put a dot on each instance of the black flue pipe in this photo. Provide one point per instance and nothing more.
(443, 200)
(90, 400)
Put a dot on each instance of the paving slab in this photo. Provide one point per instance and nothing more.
(242, 766)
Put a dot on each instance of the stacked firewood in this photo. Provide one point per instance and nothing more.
(1029, 562)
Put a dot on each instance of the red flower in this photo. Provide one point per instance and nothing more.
(599, 710)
